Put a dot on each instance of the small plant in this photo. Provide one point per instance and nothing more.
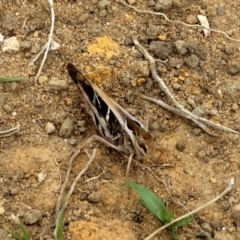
(11, 79)
(156, 206)
(19, 236)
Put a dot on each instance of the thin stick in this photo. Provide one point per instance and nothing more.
(50, 37)
(191, 116)
(179, 22)
(9, 132)
(180, 109)
(65, 203)
(228, 189)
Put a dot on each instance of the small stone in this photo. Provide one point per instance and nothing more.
(141, 81)
(192, 19)
(42, 177)
(198, 111)
(83, 196)
(6, 108)
(207, 228)
(160, 49)
(73, 142)
(142, 68)
(66, 128)
(163, 5)
(191, 102)
(192, 61)
(176, 86)
(180, 146)
(155, 126)
(11, 44)
(130, 96)
(213, 180)
(151, 3)
(49, 128)
(181, 47)
(234, 70)
(236, 208)
(95, 197)
(153, 31)
(233, 138)
(26, 45)
(234, 107)
(14, 191)
(68, 101)
(103, 4)
(14, 86)
(82, 129)
(229, 49)
(201, 154)
(221, 9)
(131, 2)
(32, 216)
(55, 84)
(128, 41)
(81, 123)
(43, 79)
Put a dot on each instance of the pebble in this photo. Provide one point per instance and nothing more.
(234, 70)
(221, 9)
(236, 208)
(191, 19)
(160, 49)
(128, 41)
(49, 128)
(6, 108)
(233, 138)
(103, 4)
(207, 227)
(14, 86)
(131, 2)
(191, 102)
(83, 196)
(67, 34)
(201, 154)
(230, 87)
(36, 48)
(14, 191)
(151, 3)
(155, 126)
(11, 44)
(26, 45)
(142, 68)
(229, 49)
(192, 61)
(66, 128)
(198, 111)
(163, 5)
(42, 79)
(234, 107)
(141, 81)
(181, 47)
(81, 123)
(95, 197)
(55, 84)
(176, 86)
(82, 129)
(73, 142)
(153, 31)
(42, 177)
(32, 216)
(130, 96)
(124, 78)
(175, 63)
(180, 146)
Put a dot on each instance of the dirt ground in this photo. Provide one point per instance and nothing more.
(203, 75)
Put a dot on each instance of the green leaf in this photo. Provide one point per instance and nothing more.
(152, 202)
(182, 222)
(25, 233)
(11, 79)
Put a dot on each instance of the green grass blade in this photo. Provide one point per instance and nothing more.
(11, 79)
(60, 224)
(24, 232)
(152, 202)
(182, 222)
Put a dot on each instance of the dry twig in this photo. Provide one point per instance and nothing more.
(9, 132)
(178, 22)
(65, 203)
(50, 37)
(178, 109)
(228, 189)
